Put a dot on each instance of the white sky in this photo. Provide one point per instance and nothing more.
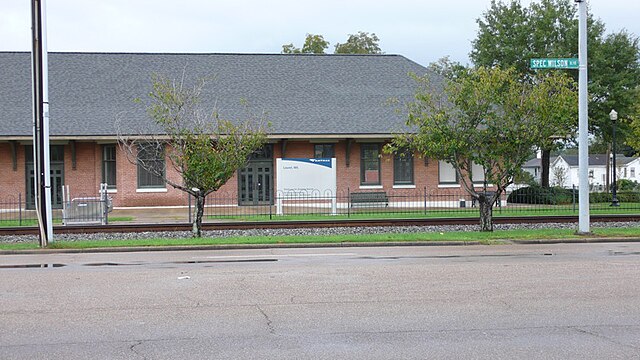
(422, 30)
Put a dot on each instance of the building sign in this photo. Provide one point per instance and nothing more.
(306, 179)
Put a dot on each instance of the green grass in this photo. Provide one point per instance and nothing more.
(34, 222)
(496, 237)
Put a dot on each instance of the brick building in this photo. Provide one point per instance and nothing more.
(317, 105)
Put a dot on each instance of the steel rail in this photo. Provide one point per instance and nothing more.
(295, 224)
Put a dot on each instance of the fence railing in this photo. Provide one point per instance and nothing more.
(373, 204)
(424, 203)
(15, 211)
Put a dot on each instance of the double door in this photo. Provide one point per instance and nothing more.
(255, 183)
(57, 181)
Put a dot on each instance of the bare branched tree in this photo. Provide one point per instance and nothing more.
(203, 149)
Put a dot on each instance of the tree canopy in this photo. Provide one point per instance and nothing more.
(360, 43)
(510, 35)
(489, 117)
(204, 150)
(313, 44)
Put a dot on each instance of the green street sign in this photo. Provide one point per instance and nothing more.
(569, 63)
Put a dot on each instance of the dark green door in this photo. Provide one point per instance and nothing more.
(57, 175)
(255, 183)
(57, 181)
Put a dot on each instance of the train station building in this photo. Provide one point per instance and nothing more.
(317, 106)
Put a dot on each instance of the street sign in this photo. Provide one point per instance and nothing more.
(569, 63)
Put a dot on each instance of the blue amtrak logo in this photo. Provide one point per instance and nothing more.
(326, 162)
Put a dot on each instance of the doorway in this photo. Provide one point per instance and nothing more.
(255, 181)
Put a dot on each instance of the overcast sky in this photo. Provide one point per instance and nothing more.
(422, 30)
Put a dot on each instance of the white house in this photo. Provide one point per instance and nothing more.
(564, 170)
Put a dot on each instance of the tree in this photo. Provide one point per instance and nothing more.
(488, 117)
(360, 43)
(204, 150)
(510, 35)
(313, 44)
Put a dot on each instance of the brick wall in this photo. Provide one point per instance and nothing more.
(11, 181)
(85, 179)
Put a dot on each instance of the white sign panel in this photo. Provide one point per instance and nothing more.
(305, 179)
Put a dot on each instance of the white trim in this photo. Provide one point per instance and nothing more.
(366, 187)
(482, 185)
(445, 186)
(112, 191)
(404, 186)
(152, 190)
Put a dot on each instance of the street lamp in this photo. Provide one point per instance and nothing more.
(613, 115)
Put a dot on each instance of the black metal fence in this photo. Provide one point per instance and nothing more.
(413, 203)
(396, 203)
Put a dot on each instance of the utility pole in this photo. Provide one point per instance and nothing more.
(41, 160)
(583, 124)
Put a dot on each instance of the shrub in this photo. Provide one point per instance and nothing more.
(623, 197)
(627, 185)
(542, 196)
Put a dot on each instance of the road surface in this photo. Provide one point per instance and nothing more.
(562, 301)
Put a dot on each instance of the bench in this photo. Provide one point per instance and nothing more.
(373, 198)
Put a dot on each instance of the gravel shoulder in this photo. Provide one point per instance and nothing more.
(307, 231)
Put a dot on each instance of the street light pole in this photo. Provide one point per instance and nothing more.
(583, 125)
(613, 115)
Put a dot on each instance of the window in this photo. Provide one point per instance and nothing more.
(477, 173)
(625, 172)
(151, 169)
(446, 173)
(323, 151)
(633, 172)
(109, 166)
(590, 174)
(403, 169)
(370, 164)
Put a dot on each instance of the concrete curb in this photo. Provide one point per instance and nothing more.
(308, 246)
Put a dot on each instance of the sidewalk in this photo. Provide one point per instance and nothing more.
(151, 215)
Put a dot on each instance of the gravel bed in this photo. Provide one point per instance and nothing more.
(307, 231)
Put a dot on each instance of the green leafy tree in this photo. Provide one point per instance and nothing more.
(510, 35)
(204, 150)
(313, 44)
(360, 43)
(488, 117)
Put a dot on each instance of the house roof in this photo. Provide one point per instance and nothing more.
(597, 159)
(300, 94)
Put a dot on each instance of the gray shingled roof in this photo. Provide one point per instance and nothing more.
(301, 94)
(597, 159)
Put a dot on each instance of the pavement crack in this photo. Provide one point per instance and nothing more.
(600, 336)
(133, 349)
(272, 330)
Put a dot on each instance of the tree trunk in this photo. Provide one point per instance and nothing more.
(545, 162)
(197, 225)
(485, 203)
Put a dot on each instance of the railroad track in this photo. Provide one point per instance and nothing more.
(124, 228)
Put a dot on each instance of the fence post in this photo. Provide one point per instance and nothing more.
(19, 209)
(348, 202)
(189, 197)
(425, 200)
(573, 197)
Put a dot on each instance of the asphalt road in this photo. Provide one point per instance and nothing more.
(487, 302)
